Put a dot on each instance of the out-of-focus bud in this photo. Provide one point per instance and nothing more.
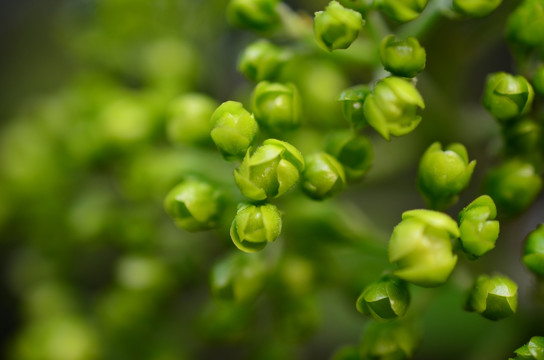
(476, 8)
(421, 246)
(352, 100)
(390, 340)
(443, 174)
(391, 108)
(522, 137)
(337, 27)
(323, 176)
(479, 231)
(533, 350)
(258, 15)
(494, 297)
(254, 226)
(238, 277)
(507, 96)
(402, 11)
(347, 353)
(538, 80)
(233, 130)
(387, 298)
(188, 119)
(194, 205)
(272, 170)
(533, 255)
(514, 186)
(362, 6)
(354, 152)
(277, 107)
(526, 24)
(261, 60)
(404, 58)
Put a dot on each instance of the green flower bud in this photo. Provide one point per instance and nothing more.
(538, 80)
(533, 255)
(526, 24)
(514, 186)
(259, 15)
(233, 130)
(479, 231)
(533, 350)
(421, 246)
(387, 298)
(254, 226)
(507, 96)
(238, 277)
(443, 174)
(361, 6)
(392, 106)
(188, 119)
(337, 27)
(261, 60)
(404, 58)
(277, 107)
(389, 341)
(194, 205)
(352, 100)
(354, 152)
(494, 297)
(270, 171)
(404, 10)
(522, 137)
(347, 353)
(476, 8)
(323, 176)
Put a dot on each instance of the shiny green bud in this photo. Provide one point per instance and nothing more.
(405, 58)
(362, 6)
(323, 176)
(337, 27)
(261, 60)
(476, 8)
(352, 101)
(422, 248)
(526, 24)
(522, 137)
(269, 172)
(233, 130)
(277, 107)
(194, 205)
(384, 299)
(533, 254)
(507, 96)
(403, 10)
(188, 119)
(258, 15)
(443, 174)
(354, 152)
(538, 80)
(533, 350)
(514, 186)
(238, 277)
(390, 341)
(391, 109)
(254, 226)
(479, 231)
(493, 297)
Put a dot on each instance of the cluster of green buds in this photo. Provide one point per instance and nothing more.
(277, 107)
(254, 226)
(238, 277)
(402, 11)
(387, 298)
(195, 205)
(258, 15)
(405, 58)
(533, 253)
(323, 176)
(337, 27)
(353, 151)
(507, 96)
(270, 171)
(233, 130)
(494, 298)
(475, 8)
(390, 340)
(421, 246)
(188, 119)
(533, 350)
(479, 231)
(352, 100)
(443, 174)
(391, 108)
(261, 60)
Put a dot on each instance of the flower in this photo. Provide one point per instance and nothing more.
(337, 27)
(254, 226)
(404, 58)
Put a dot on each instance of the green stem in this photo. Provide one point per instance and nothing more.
(425, 22)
